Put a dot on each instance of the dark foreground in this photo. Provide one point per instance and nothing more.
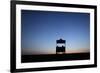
(55, 57)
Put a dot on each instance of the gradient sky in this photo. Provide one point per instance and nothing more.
(41, 29)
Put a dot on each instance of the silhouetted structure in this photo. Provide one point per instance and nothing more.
(60, 49)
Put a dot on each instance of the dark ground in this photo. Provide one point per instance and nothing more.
(55, 57)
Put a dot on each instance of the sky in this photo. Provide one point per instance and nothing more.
(41, 29)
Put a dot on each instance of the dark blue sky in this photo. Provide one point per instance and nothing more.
(41, 29)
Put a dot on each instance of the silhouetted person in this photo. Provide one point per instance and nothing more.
(60, 49)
